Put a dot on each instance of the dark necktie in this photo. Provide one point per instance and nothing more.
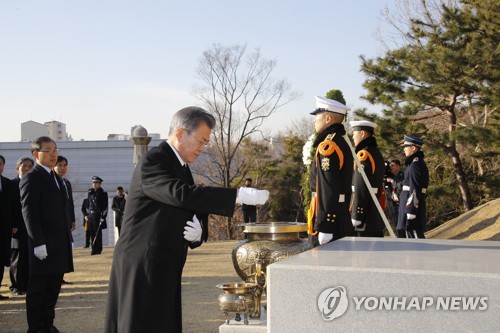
(53, 174)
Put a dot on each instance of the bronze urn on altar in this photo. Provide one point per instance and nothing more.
(266, 243)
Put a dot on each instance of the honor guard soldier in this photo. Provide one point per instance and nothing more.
(331, 175)
(365, 217)
(412, 216)
(98, 210)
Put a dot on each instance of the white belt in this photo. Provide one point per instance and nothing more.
(375, 190)
(341, 196)
(407, 188)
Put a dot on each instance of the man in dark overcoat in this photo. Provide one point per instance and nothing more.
(331, 173)
(412, 218)
(46, 215)
(166, 213)
(7, 214)
(365, 216)
(19, 259)
(118, 206)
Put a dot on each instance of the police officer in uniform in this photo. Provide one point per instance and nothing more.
(412, 216)
(98, 210)
(331, 174)
(365, 216)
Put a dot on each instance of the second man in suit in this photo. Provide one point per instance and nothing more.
(46, 215)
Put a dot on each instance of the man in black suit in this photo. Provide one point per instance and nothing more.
(61, 169)
(85, 212)
(7, 214)
(19, 260)
(118, 206)
(46, 215)
(165, 214)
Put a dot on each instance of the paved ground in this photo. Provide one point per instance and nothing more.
(81, 306)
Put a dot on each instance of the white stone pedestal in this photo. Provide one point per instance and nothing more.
(254, 325)
(389, 285)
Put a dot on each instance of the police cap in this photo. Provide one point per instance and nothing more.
(412, 140)
(96, 179)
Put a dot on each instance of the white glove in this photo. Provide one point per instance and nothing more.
(355, 223)
(251, 196)
(324, 238)
(410, 216)
(41, 252)
(192, 231)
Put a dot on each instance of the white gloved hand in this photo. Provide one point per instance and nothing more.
(324, 238)
(355, 223)
(193, 230)
(41, 252)
(251, 196)
(410, 216)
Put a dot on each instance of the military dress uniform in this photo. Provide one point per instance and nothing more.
(98, 210)
(330, 177)
(364, 212)
(412, 199)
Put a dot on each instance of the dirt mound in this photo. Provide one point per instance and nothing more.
(481, 223)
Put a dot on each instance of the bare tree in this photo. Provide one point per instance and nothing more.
(241, 94)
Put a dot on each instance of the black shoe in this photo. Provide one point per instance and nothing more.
(17, 292)
(86, 246)
(52, 329)
(66, 282)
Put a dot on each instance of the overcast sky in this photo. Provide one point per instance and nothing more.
(103, 66)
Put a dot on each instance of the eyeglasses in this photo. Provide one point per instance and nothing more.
(49, 151)
(201, 142)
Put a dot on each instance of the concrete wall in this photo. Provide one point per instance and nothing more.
(110, 160)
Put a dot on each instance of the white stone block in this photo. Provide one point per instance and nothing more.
(391, 285)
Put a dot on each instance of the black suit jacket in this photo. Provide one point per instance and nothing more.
(22, 233)
(145, 284)
(6, 220)
(69, 194)
(46, 215)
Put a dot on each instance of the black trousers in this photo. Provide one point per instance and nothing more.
(370, 233)
(19, 268)
(249, 216)
(410, 233)
(87, 238)
(41, 298)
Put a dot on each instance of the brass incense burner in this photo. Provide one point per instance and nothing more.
(266, 243)
(237, 298)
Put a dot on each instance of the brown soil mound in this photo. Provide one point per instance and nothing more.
(481, 223)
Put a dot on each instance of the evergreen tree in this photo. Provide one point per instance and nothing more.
(443, 84)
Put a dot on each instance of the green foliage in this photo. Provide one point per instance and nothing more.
(443, 84)
(336, 95)
(284, 182)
